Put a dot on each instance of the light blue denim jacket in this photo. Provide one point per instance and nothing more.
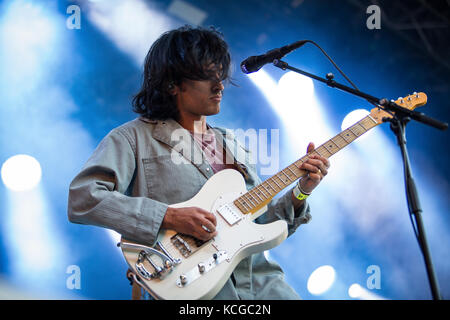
(131, 178)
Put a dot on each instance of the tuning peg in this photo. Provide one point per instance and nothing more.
(401, 99)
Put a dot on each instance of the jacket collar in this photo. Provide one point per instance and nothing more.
(179, 139)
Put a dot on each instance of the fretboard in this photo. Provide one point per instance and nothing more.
(263, 193)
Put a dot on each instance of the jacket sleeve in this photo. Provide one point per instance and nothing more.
(283, 208)
(99, 195)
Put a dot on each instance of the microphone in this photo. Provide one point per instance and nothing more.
(254, 63)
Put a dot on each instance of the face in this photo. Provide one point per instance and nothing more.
(199, 98)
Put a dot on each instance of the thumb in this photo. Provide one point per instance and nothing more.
(310, 147)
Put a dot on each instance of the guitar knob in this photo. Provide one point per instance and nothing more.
(183, 279)
(201, 267)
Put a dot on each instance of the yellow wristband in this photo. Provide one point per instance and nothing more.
(298, 193)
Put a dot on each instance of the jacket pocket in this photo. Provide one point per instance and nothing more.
(171, 178)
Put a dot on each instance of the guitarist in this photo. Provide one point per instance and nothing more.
(134, 173)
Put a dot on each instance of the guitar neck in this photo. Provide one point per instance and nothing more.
(259, 196)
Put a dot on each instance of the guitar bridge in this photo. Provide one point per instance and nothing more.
(186, 244)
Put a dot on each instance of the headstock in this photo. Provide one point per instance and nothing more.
(410, 102)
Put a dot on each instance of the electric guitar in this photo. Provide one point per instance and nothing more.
(179, 266)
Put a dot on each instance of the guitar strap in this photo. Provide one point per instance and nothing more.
(240, 167)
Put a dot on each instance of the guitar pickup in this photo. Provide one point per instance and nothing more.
(229, 213)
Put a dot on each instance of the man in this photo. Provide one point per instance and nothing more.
(138, 169)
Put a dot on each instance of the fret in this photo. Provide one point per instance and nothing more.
(257, 195)
(374, 121)
(239, 206)
(324, 149)
(247, 203)
(355, 134)
(249, 198)
(364, 129)
(242, 208)
(331, 140)
(298, 163)
(289, 168)
(342, 140)
(317, 150)
(324, 146)
(262, 192)
(343, 137)
(331, 146)
(364, 123)
(244, 203)
(266, 188)
(282, 181)
(276, 183)
(289, 179)
(271, 187)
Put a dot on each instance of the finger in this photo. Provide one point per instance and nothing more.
(208, 226)
(208, 215)
(320, 166)
(205, 228)
(325, 161)
(202, 235)
(205, 235)
(312, 168)
(211, 217)
(310, 147)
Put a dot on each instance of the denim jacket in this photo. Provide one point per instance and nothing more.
(143, 166)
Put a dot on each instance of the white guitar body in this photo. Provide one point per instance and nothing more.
(201, 272)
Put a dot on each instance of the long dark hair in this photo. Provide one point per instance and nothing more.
(183, 53)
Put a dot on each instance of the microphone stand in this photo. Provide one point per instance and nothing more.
(398, 125)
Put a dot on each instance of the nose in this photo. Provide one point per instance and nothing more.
(218, 86)
(221, 86)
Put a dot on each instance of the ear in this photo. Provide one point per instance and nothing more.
(173, 89)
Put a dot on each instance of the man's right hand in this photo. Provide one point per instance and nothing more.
(191, 221)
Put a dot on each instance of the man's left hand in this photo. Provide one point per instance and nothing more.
(317, 168)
